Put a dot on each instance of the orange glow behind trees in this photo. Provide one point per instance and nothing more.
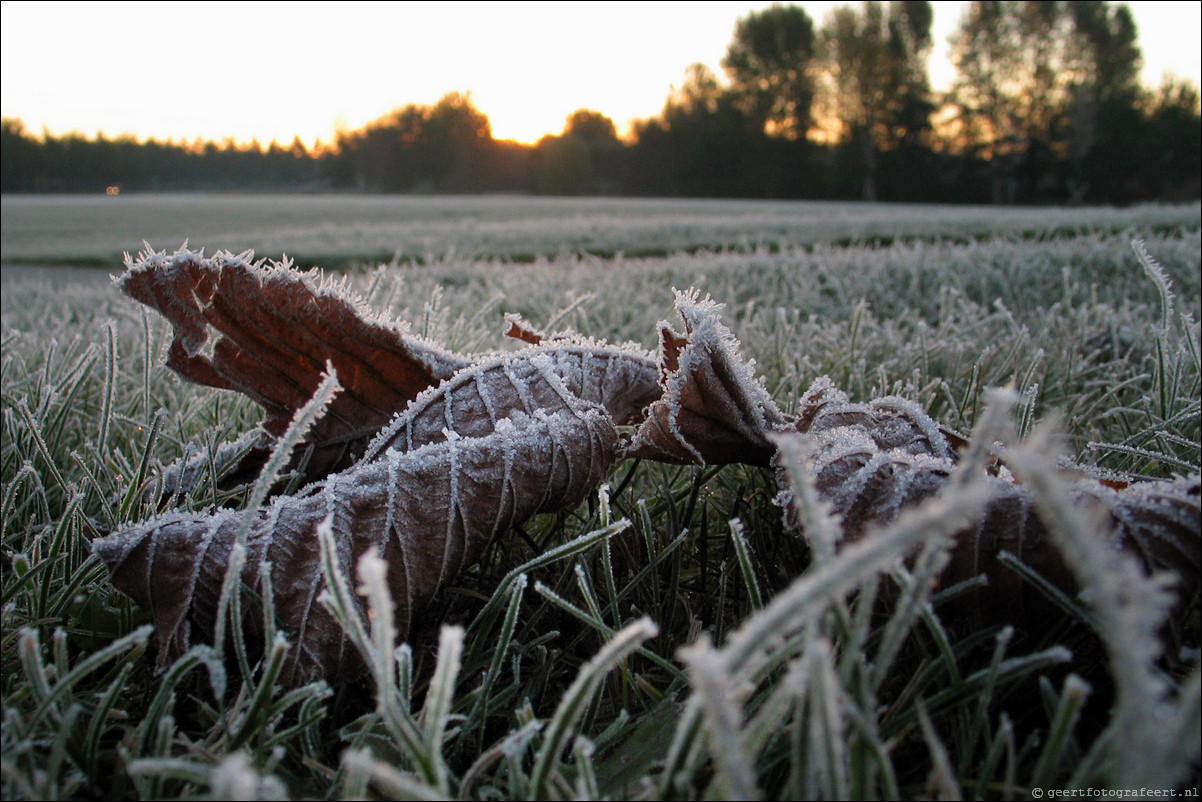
(1046, 107)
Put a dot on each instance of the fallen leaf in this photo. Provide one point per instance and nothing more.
(870, 461)
(268, 330)
(428, 456)
(445, 453)
(428, 502)
(713, 410)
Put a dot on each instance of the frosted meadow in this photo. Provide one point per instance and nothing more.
(674, 635)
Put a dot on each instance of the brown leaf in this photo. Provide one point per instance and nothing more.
(534, 431)
(537, 380)
(891, 422)
(713, 410)
(490, 445)
(870, 461)
(268, 331)
(519, 329)
(517, 441)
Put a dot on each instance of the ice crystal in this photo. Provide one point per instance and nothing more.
(426, 456)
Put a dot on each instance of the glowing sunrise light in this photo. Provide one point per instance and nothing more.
(274, 71)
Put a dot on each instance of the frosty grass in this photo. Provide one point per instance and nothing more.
(669, 639)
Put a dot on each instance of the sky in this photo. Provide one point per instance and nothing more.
(276, 70)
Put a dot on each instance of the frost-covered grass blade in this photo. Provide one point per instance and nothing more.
(849, 674)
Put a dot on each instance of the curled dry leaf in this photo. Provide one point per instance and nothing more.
(428, 456)
(869, 461)
(268, 331)
(713, 410)
(866, 484)
(429, 506)
(489, 446)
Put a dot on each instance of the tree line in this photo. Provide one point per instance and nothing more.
(1046, 107)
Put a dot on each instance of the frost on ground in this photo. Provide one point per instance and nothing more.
(426, 456)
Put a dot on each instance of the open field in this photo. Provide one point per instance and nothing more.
(553, 688)
(333, 230)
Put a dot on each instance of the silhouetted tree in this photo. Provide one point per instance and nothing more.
(586, 159)
(447, 147)
(1009, 89)
(1047, 94)
(458, 145)
(21, 162)
(1103, 120)
(590, 126)
(768, 63)
(1173, 143)
(703, 144)
(875, 89)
